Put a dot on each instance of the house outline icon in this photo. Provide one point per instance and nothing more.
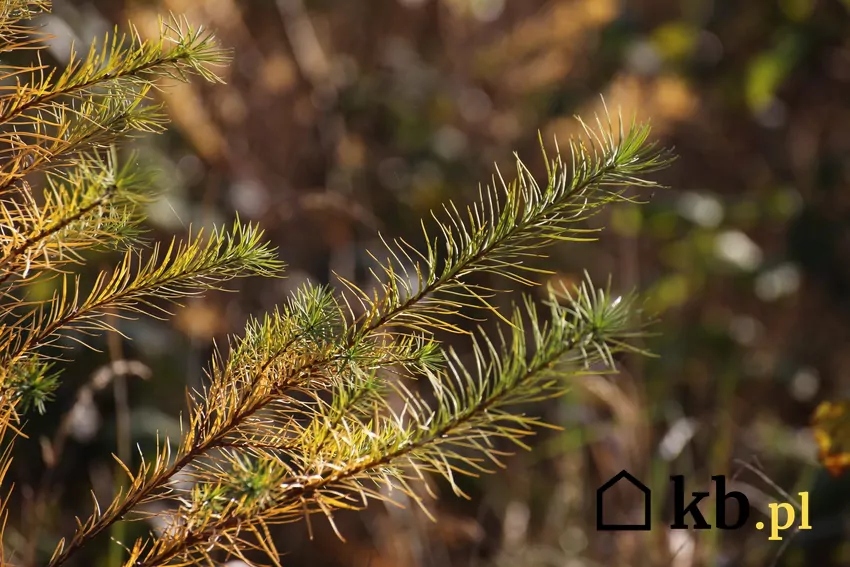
(647, 504)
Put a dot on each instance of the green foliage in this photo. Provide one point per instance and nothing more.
(318, 406)
(62, 128)
(66, 125)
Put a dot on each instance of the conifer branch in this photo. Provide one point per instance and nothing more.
(68, 123)
(240, 494)
(343, 356)
(98, 99)
(91, 205)
(507, 227)
(57, 136)
(118, 68)
(296, 419)
(14, 36)
(183, 269)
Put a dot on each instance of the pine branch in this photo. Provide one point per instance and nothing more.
(98, 99)
(66, 125)
(88, 206)
(306, 321)
(490, 245)
(14, 36)
(500, 233)
(243, 492)
(184, 269)
(58, 135)
(505, 228)
(121, 65)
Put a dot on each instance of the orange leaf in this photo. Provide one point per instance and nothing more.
(831, 424)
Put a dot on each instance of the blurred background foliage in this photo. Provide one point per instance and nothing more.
(342, 119)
